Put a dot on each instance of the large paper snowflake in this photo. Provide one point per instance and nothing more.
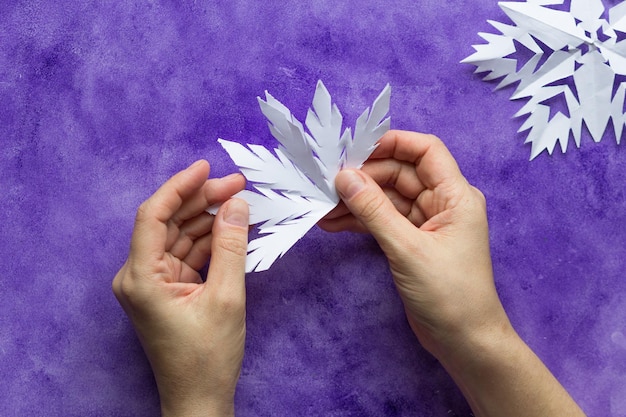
(295, 187)
(577, 57)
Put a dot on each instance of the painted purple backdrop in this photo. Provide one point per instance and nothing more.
(100, 102)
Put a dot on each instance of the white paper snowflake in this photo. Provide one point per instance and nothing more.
(296, 186)
(584, 55)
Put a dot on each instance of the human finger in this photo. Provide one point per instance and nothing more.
(188, 274)
(215, 190)
(402, 204)
(400, 175)
(398, 179)
(341, 219)
(345, 223)
(229, 246)
(182, 238)
(151, 223)
(199, 253)
(369, 204)
(432, 159)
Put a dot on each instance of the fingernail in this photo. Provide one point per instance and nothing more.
(237, 213)
(349, 183)
(195, 164)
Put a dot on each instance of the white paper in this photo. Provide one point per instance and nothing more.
(585, 52)
(295, 185)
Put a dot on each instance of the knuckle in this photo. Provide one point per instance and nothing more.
(234, 243)
(133, 295)
(142, 211)
(122, 292)
(125, 288)
(118, 283)
(434, 139)
(229, 304)
(116, 286)
(480, 197)
(371, 207)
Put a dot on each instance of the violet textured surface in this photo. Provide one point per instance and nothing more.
(100, 102)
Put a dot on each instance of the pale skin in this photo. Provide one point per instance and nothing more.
(431, 225)
(193, 333)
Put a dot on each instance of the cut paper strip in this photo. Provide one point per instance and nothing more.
(295, 185)
(585, 56)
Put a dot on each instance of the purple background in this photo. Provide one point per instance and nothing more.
(100, 102)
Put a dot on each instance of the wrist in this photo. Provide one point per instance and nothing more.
(192, 407)
(471, 342)
(190, 402)
(477, 348)
(185, 393)
(498, 373)
(480, 358)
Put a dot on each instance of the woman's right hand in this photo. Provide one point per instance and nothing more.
(432, 226)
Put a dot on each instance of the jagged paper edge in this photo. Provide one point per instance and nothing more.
(545, 133)
(298, 149)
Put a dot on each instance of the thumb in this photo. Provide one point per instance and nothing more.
(369, 204)
(229, 246)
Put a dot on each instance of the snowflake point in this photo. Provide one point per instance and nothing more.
(574, 64)
(295, 186)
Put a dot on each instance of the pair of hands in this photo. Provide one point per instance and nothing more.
(410, 195)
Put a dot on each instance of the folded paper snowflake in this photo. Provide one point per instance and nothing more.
(578, 59)
(295, 185)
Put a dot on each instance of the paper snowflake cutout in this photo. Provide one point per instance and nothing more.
(577, 57)
(295, 186)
